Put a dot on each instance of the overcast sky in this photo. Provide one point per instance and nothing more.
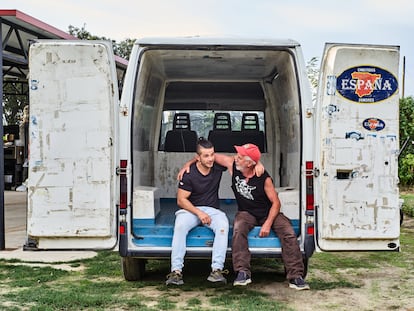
(311, 23)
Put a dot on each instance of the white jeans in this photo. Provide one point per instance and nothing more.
(185, 221)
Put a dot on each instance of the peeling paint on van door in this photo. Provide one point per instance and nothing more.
(72, 135)
(356, 150)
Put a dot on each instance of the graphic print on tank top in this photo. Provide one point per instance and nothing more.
(243, 188)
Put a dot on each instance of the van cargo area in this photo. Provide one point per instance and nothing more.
(229, 95)
(203, 83)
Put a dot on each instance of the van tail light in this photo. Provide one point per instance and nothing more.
(123, 184)
(310, 203)
(122, 173)
(123, 239)
(122, 228)
(310, 229)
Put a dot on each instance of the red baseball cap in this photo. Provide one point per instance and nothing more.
(250, 150)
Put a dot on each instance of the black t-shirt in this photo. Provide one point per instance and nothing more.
(203, 188)
(250, 196)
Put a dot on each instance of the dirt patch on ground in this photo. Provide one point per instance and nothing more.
(383, 288)
(60, 266)
(379, 289)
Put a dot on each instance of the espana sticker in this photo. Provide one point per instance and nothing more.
(373, 124)
(366, 84)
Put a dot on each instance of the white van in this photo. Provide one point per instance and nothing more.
(102, 173)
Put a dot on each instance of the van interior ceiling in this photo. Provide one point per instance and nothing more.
(185, 91)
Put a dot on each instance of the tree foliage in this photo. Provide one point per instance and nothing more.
(312, 70)
(406, 157)
(122, 49)
(14, 101)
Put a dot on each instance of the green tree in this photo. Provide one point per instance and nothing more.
(406, 157)
(122, 49)
(14, 99)
(312, 70)
(83, 34)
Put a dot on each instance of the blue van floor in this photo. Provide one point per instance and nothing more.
(158, 232)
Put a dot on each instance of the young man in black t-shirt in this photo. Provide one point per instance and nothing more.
(198, 200)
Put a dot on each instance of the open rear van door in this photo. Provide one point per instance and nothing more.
(72, 138)
(356, 149)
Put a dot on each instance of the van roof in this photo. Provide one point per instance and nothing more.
(225, 41)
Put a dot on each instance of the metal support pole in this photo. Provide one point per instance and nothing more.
(2, 227)
(403, 78)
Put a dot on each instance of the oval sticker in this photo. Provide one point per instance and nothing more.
(366, 84)
(373, 124)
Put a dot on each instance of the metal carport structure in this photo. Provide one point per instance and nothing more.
(17, 31)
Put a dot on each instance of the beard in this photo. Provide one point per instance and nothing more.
(240, 168)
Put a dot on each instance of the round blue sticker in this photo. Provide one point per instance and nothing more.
(373, 124)
(366, 84)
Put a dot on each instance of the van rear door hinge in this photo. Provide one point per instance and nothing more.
(121, 171)
(313, 172)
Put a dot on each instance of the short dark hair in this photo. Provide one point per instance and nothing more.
(204, 143)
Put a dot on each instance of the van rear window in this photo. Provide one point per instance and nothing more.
(180, 129)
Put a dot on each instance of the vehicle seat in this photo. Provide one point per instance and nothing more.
(181, 138)
(220, 135)
(250, 132)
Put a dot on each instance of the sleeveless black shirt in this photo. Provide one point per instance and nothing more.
(250, 196)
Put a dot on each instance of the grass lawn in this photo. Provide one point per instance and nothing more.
(98, 283)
